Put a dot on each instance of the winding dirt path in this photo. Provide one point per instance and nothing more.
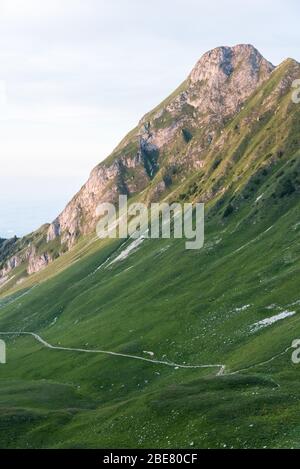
(105, 352)
(221, 367)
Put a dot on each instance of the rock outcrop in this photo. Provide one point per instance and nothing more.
(37, 262)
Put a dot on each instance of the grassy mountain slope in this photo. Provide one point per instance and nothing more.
(193, 311)
(168, 304)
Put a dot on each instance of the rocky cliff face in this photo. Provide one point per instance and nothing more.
(36, 261)
(169, 143)
(224, 78)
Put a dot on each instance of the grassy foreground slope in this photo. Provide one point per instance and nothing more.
(183, 306)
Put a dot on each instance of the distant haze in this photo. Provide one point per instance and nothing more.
(75, 76)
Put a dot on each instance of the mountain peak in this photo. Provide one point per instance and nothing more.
(223, 61)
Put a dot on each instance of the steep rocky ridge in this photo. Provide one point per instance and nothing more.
(200, 143)
(215, 90)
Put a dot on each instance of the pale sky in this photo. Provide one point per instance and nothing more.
(76, 75)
